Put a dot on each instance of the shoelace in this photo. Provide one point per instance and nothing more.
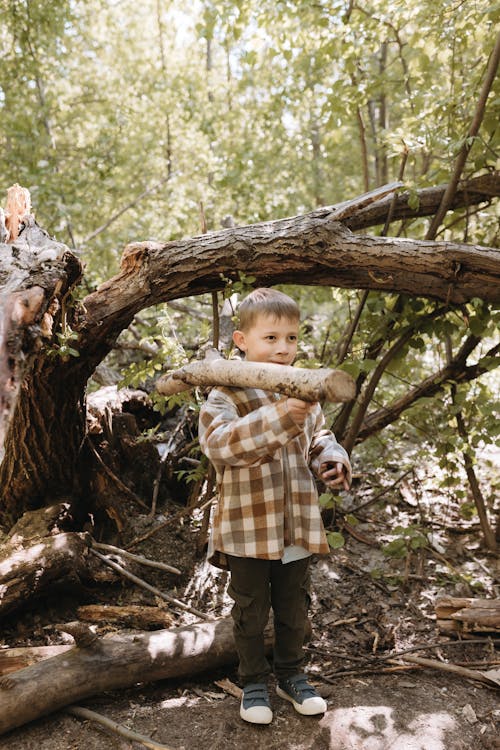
(301, 688)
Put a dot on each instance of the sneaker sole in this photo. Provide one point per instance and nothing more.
(299, 707)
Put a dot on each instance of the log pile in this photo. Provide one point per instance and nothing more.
(463, 616)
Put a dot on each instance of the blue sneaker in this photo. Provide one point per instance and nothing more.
(255, 706)
(302, 695)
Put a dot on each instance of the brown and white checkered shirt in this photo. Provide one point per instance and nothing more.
(267, 493)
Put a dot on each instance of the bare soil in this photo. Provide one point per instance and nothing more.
(364, 605)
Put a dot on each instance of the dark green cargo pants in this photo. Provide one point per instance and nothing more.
(255, 586)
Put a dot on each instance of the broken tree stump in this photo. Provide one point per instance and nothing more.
(461, 616)
(116, 662)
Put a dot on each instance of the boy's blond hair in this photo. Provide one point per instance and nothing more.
(269, 302)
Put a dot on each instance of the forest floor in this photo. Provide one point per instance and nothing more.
(365, 605)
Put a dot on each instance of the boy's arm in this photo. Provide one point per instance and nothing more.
(226, 438)
(327, 458)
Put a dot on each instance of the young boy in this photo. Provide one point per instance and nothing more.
(268, 523)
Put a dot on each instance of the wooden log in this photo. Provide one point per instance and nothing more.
(14, 659)
(132, 615)
(457, 615)
(322, 384)
(111, 663)
(28, 571)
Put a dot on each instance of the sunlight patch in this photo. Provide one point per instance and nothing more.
(185, 643)
(374, 728)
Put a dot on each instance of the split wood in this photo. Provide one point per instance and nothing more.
(119, 729)
(133, 615)
(145, 585)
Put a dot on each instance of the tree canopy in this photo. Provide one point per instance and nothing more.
(149, 123)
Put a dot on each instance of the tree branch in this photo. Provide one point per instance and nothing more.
(433, 384)
(449, 194)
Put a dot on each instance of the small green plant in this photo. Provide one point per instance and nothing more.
(63, 348)
(407, 540)
(336, 540)
(329, 501)
(243, 285)
(195, 473)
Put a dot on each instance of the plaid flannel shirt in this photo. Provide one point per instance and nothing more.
(267, 494)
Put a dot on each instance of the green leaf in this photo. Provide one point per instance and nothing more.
(351, 520)
(335, 539)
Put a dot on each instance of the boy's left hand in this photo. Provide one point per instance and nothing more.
(334, 475)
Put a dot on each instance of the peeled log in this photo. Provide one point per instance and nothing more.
(111, 663)
(309, 385)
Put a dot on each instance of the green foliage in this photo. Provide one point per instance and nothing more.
(121, 118)
(336, 540)
(63, 348)
(242, 284)
(196, 473)
(262, 123)
(407, 539)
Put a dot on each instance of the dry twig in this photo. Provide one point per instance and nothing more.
(135, 558)
(85, 713)
(145, 585)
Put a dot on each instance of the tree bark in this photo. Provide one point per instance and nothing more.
(312, 249)
(474, 192)
(28, 571)
(96, 665)
(42, 383)
(41, 420)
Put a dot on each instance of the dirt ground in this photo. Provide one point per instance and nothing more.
(354, 616)
(366, 606)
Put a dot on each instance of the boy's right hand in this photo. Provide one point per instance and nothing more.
(299, 410)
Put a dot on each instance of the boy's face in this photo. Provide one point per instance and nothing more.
(269, 339)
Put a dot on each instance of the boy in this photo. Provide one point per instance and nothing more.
(267, 522)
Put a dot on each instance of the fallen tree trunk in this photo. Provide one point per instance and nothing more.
(95, 665)
(478, 190)
(14, 659)
(43, 422)
(28, 571)
(310, 385)
(40, 402)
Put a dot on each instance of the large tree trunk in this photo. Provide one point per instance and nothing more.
(96, 665)
(42, 383)
(41, 415)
